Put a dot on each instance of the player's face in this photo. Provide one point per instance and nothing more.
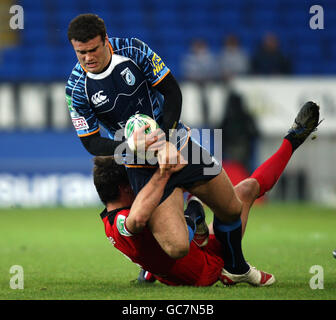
(93, 55)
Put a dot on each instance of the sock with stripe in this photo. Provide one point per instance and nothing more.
(229, 235)
(269, 172)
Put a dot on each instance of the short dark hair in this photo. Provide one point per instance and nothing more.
(108, 176)
(86, 27)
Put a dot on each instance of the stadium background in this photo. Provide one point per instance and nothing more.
(42, 161)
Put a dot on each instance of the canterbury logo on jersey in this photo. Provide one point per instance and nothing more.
(98, 98)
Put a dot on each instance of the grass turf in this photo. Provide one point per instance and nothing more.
(65, 255)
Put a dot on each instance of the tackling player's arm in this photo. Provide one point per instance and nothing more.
(146, 202)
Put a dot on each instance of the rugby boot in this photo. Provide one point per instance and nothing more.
(254, 277)
(201, 235)
(305, 123)
(145, 277)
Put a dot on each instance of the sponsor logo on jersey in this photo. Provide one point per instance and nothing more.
(80, 123)
(99, 99)
(128, 76)
(121, 226)
(158, 64)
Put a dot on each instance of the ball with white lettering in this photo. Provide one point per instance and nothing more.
(135, 122)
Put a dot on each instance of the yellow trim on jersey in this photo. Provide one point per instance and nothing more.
(139, 166)
(88, 134)
(110, 45)
(188, 137)
(156, 83)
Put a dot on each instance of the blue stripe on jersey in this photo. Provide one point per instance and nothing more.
(150, 63)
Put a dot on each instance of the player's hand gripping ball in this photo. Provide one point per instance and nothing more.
(135, 122)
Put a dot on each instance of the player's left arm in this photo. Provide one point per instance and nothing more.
(161, 78)
(172, 105)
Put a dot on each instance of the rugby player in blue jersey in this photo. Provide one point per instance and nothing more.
(119, 77)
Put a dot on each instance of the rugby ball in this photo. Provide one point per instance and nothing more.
(135, 122)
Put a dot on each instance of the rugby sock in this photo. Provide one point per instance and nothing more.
(269, 172)
(229, 235)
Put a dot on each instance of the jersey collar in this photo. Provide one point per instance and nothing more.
(106, 213)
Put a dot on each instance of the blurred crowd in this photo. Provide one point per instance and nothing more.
(240, 132)
(201, 64)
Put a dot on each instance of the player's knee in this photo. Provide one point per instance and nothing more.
(178, 251)
(231, 213)
(234, 208)
(247, 190)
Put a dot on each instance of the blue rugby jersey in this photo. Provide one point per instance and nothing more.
(125, 88)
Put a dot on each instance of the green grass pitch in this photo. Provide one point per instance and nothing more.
(65, 255)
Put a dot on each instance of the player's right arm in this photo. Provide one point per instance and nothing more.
(98, 145)
(146, 202)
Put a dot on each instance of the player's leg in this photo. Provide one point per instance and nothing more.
(264, 178)
(219, 195)
(236, 269)
(247, 191)
(197, 227)
(267, 174)
(225, 205)
(305, 123)
(169, 227)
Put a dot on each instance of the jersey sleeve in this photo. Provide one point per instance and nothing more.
(83, 118)
(149, 62)
(118, 234)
